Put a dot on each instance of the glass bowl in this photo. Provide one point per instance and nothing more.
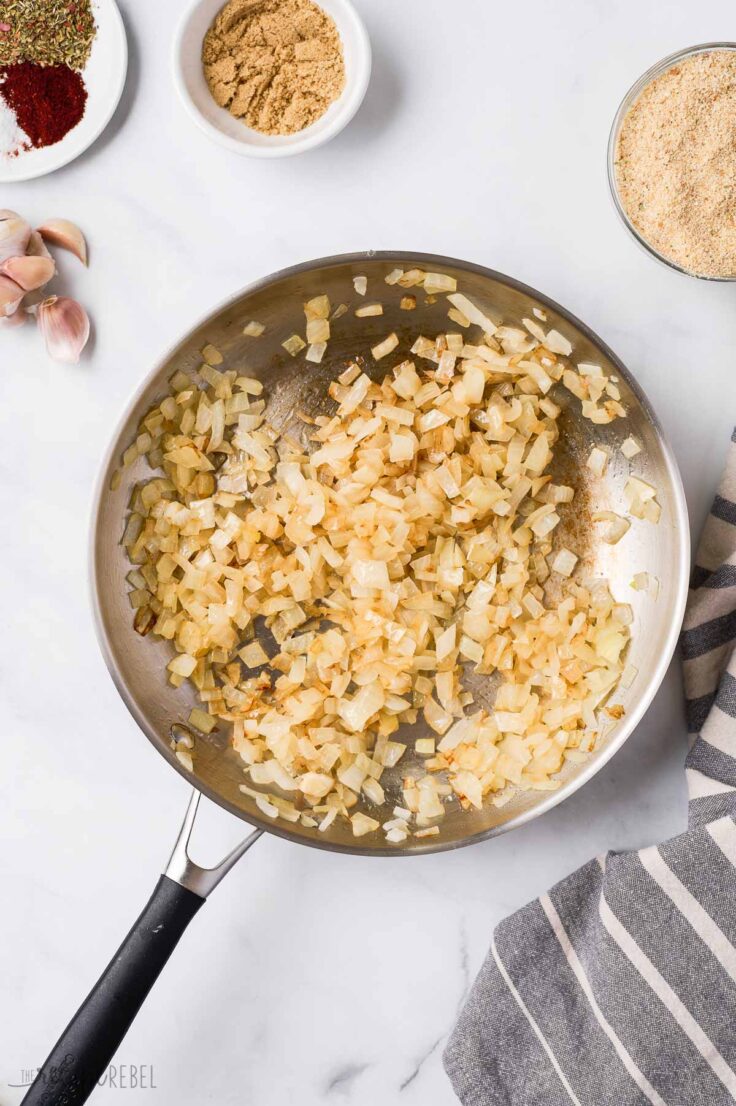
(626, 104)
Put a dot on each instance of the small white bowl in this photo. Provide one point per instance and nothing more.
(104, 79)
(224, 128)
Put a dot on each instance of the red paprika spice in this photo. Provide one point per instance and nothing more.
(47, 100)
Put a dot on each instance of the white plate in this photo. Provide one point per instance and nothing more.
(224, 128)
(104, 79)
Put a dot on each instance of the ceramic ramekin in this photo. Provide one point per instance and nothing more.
(232, 133)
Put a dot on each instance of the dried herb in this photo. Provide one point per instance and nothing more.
(47, 32)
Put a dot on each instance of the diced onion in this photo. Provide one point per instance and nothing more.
(201, 721)
(617, 526)
(254, 655)
(472, 313)
(458, 317)
(316, 352)
(294, 344)
(558, 343)
(362, 824)
(564, 562)
(644, 581)
(266, 807)
(386, 346)
(373, 790)
(438, 282)
(318, 330)
(317, 308)
(628, 676)
(404, 537)
(211, 355)
(597, 461)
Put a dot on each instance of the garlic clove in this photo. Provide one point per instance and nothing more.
(60, 232)
(64, 325)
(29, 272)
(15, 233)
(36, 246)
(9, 322)
(11, 295)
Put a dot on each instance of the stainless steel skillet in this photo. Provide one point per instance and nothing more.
(137, 664)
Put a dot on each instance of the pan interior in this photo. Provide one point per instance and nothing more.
(290, 384)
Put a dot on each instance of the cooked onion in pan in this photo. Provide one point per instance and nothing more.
(410, 539)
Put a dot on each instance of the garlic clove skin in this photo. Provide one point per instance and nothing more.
(60, 232)
(37, 247)
(15, 234)
(10, 322)
(29, 272)
(11, 295)
(64, 325)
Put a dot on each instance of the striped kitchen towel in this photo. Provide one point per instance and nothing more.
(618, 987)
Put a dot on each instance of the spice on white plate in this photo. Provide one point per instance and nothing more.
(50, 32)
(675, 163)
(13, 139)
(48, 100)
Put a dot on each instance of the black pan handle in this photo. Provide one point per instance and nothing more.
(88, 1044)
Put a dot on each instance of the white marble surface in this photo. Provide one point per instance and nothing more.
(308, 975)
